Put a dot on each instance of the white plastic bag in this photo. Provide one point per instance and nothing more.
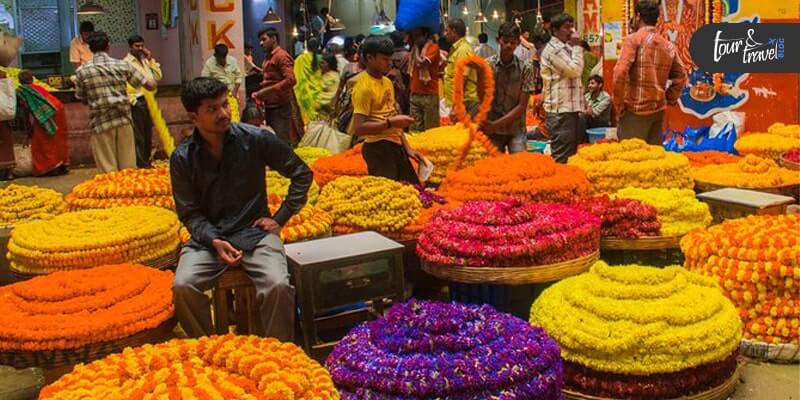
(723, 119)
(425, 170)
(8, 100)
(320, 134)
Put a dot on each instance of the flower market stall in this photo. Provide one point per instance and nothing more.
(215, 367)
(88, 238)
(638, 332)
(64, 318)
(424, 350)
(755, 260)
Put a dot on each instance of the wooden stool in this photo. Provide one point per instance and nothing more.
(235, 288)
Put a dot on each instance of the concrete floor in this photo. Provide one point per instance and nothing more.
(759, 381)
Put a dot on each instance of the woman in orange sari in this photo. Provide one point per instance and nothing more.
(48, 129)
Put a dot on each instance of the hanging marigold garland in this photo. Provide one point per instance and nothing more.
(486, 79)
(159, 124)
(233, 102)
(716, 18)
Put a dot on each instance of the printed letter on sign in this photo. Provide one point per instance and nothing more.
(216, 36)
(220, 6)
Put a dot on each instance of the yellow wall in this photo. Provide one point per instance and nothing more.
(612, 10)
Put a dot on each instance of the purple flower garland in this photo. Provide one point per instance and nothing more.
(423, 350)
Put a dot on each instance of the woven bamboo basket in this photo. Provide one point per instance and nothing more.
(789, 164)
(779, 353)
(59, 362)
(720, 392)
(644, 243)
(788, 190)
(512, 275)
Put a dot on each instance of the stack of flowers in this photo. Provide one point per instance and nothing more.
(349, 163)
(28, 203)
(635, 332)
(525, 176)
(309, 155)
(508, 233)
(781, 129)
(750, 172)
(679, 211)
(623, 218)
(141, 187)
(765, 145)
(216, 367)
(756, 261)
(279, 185)
(311, 222)
(442, 146)
(88, 238)
(632, 162)
(69, 310)
(369, 203)
(427, 350)
(698, 159)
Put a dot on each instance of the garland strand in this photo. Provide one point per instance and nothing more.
(485, 79)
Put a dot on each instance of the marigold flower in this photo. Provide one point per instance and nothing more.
(20, 204)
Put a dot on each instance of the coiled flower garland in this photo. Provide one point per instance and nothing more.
(442, 146)
(756, 261)
(614, 166)
(623, 218)
(750, 172)
(67, 310)
(88, 238)
(426, 350)
(129, 187)
(678, 209)
(28, 203)
(508, 233)
(642, 321)
(216, 367)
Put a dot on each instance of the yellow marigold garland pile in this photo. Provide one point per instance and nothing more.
(766, 145)
(88, 238)
(525, 176)
(614, 322)
(142, 187)
(442, 146)
(750, 172)
(781, 129)
(632, 162)
(757, 262)
(28, 203)
(67, 310)
(369, 203)
(216, 367)
(13, 74)
(278, 185)
(309, 223)
(679, 211)
(311, 154)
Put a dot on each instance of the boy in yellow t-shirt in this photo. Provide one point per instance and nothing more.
(386, 150)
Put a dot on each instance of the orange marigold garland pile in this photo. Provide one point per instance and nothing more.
(349, 163)
(698, 159)
(757, 262)
(129, 187)
(67, 310)
(216, 367)
(525, 176)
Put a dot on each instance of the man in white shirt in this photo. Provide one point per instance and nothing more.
(142, 60)
(562, 66)
(79, 52)
(483, 49)
(223, 67)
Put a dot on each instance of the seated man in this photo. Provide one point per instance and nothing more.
(598, 111)
(220, 195)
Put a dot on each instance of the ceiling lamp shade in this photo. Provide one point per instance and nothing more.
(271, 18)
(337, 25)
(480, 18)
(89, 7)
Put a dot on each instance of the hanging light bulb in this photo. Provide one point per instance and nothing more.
(480, 18)
(495, 15)
(466, 10)
(294, 31)
(446, 16)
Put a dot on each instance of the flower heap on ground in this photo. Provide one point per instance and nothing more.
(778, 139)
(639, 332)
(525, 176)
(632, 162)
(72, 309)
(425, 350)
(757, 262)
(679, 211)
(88, 238)
(141, 187)
(623, 218)
(309, 223)
(279, 185)
(508, 233)
(215, 367)
(369, 203)
(20, 204)
(349, 163)
(698, 159)
(309, 154)
(442, 146)
(750, 172)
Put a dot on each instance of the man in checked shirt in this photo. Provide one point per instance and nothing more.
(648, 76)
